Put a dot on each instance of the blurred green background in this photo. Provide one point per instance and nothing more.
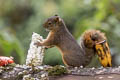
(19, 18)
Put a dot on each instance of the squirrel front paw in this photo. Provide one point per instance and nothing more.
(38, 44)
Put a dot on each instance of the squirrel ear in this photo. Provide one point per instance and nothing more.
(57, 19)
(56, 14)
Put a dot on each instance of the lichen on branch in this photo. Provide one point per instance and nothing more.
(35, 54)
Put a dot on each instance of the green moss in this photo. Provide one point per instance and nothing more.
(8, 67)
(57, 70)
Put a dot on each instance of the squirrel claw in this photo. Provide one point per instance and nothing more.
(37, 44)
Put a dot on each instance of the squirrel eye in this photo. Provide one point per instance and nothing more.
(49, 23)
(94, 37)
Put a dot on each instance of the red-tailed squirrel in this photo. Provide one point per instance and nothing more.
(74, 54)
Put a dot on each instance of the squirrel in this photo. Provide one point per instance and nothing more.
(74, 54)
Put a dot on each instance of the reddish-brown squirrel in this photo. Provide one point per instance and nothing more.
(74, 54)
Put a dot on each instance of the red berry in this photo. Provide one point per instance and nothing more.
(5, 60)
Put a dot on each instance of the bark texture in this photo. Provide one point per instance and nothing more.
(23, 72)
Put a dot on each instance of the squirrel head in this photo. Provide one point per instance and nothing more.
(52, 22)
(92, 37)
(96, 40)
